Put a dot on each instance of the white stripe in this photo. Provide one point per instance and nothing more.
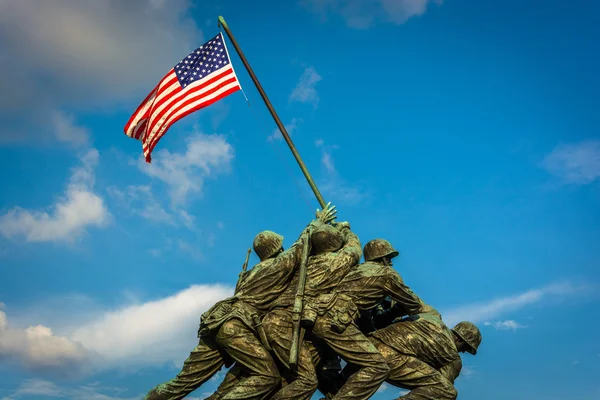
(163, 93)
(162, 125)
(138, 116)
(168, 91)
(149, 103)
(181, 98)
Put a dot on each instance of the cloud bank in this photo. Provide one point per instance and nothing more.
(164, 330)
(485, 311)
(152, 333)
(37, 348)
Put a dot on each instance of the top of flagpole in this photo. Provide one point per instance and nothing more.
(280, 125)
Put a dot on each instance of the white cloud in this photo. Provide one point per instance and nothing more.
(185, 173)
(139, 200)
(155, 332)
(66, 130)
(508, 324)
(79, 208)
(332, 185)
(38, 348)
(134, 335)
(290, 128)
(484, 311)
(467, 372)
(193, 251)
(361, 14)
(305, 91)
(47, 389)
(576, 163)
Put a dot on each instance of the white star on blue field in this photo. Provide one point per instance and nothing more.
(464, 132)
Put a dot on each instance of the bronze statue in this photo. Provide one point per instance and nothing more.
(317, 299)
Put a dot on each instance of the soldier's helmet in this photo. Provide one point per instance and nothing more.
(267, 243)
(378, 248)
(326, 238)
(470, 334)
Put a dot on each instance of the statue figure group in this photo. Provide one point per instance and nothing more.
(361, 313)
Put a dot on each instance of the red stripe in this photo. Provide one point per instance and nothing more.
(140, 129)
(172, 98)
(188, 102)
(201, 105)
(146, 100)
(194, 99)
(139, 108)
(156, 104)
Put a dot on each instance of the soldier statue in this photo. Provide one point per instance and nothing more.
(361, 313)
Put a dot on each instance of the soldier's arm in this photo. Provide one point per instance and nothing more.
(407, 302)
(350, 253)
(451, 370)
(288, 261)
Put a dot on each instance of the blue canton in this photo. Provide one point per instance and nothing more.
(203, 61)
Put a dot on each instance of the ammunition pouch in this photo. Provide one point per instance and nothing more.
(339, 308)
(214, 317)
(223, 311)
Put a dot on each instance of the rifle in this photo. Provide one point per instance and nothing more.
(244, 267)
(297, 331)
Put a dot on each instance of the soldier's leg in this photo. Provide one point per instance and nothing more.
(204, 361)
(244, 347)
(278, 327)
(232, 378)
(354, 348)
(425, 382)
(328, 366)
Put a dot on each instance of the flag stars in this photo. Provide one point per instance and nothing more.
(206, 59)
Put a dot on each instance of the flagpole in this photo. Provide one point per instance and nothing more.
(287, 138)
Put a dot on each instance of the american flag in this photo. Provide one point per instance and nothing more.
(202, 78)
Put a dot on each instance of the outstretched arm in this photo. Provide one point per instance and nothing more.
(407, 302)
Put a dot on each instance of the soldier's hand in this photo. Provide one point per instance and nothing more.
(328, 214)
(341, 225)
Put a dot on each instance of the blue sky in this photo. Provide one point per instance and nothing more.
(465, 132)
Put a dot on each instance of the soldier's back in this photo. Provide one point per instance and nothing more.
(427, 338)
